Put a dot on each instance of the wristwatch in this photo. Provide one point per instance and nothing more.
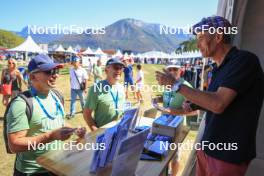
(176, 87)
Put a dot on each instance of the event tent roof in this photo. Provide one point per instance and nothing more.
(60, 49)
(88, 51)
(70, 50)
(28, 46)
(99, 52)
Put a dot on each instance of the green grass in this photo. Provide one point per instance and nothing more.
(63, 85)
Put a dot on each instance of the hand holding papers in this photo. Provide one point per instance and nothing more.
(155, 105)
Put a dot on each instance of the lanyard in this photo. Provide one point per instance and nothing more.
(115, 99)
(58, 106)
(169, 99)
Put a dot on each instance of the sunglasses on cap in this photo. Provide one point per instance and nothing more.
(172, 69)
(117, 67)
(52, 72)
(48, 72)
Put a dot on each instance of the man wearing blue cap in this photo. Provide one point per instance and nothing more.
(46, 124)
(106, 98)
(233, 100)
(78, 77)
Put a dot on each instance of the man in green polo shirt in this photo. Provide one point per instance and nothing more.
(172, 104)
(97, 71)
(106, 98)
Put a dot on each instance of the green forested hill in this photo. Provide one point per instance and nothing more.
(9, 39)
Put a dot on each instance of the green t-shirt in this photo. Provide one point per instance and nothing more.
(174, 99)
(17, 121)
(98, 72)
(100, 100)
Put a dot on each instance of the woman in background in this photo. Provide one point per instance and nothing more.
(11, 75)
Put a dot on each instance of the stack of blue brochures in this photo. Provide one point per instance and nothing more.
(111, 140)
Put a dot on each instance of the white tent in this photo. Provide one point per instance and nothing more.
(99, 52)
(77, 48)
(118, 54)
(88, 51)
(60, 49)
(155, 54)
(28, 46)
(70, 50)
(132, 55)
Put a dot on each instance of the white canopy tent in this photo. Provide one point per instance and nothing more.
(99, 52)
(155, 54)
(70, 50)
(132, 55)
(60, 49)
(88, 51)
(28, 46)
(118, 54)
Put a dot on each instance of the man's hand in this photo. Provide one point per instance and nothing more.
(62, 133)
(186, 106)
(167, 111)
(80, 132)
(165, 78)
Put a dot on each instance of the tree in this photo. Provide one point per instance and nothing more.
(189, 45)
(9, 39)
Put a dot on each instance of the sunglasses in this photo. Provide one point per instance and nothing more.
(52, 72)
(9, 63)
(118, 67)
(172, 69)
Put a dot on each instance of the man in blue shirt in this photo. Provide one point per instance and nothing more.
(128, 77)
(233, 101)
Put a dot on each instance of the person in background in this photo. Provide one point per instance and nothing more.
(206, 76)
(139, 83)
(172, 104)
(90, 69)
(106, 98)
(78, 78)
(97, 71)
(128, 77)
(11, 75)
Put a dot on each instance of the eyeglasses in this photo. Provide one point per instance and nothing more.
(9, 63)
(172, 69)
(52, 72)
(118, 67)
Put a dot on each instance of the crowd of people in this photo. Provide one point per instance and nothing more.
(229, 86)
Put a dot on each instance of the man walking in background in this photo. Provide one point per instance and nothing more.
(78, 78)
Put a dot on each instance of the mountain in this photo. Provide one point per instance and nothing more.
(9, 39)
(128, 34)
(125, 34)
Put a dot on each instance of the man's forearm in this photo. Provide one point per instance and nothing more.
(207, 100)
(22, 144)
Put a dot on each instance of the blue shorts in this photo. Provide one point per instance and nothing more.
(128, 81)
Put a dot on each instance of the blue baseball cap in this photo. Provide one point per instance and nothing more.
(75, 59)
(42, 62)
(114, 61)
(210, 22)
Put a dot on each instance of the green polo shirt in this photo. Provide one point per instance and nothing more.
(173, 99)
(101, 101)
(17, 121)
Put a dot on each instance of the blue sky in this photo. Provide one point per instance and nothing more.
(16, 14)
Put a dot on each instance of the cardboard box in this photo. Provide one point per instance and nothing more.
(167, 125)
